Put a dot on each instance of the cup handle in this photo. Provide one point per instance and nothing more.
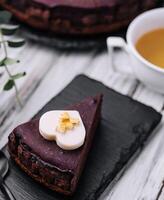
(118, 42)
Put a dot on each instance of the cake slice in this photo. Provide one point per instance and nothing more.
(44, 160)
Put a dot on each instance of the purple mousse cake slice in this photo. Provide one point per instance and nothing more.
(77, 17)
(44, 160)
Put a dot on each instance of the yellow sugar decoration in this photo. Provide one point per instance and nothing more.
(66, 123)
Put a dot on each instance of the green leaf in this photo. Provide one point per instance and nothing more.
(9, 85)
(2, 62)
(10, 61)
(5, 17)
(9, 29)
(19, 75)
(16, 43)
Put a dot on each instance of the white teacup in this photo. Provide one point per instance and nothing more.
(148, 73)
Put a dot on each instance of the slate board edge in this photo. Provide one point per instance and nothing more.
(99, 82)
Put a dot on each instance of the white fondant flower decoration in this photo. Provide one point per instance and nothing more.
(70, 139)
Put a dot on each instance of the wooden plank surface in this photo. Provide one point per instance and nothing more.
(49, 71)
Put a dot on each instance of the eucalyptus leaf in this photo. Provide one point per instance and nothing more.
(5, 17)
(2, 64)
(8, 29)
(9, 85)
(10, 61)
(16, 43)
(19, 75)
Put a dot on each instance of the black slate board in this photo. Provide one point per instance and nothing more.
(125, 126)
(66, 42)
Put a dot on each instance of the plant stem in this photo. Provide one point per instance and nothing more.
(17, 95)
(8, 72)
(15, 86)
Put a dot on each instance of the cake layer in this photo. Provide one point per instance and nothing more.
(86, 4)
(44, 160)
(79, 3)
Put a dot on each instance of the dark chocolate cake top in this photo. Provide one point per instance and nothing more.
(79, 3)
(48, 151)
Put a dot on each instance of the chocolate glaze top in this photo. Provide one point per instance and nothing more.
(48, 151)
(79, 3)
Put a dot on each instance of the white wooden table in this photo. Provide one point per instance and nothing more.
(49, 71)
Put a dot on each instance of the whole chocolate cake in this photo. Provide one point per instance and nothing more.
(77, 17)
(44, 160)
